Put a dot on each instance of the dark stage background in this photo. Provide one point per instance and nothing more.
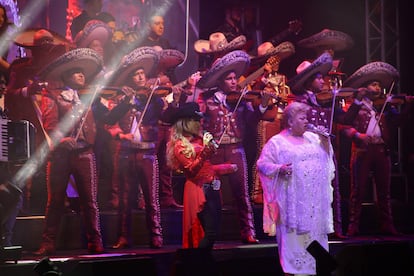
(272, 17)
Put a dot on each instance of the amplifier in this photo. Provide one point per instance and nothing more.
(17, 140)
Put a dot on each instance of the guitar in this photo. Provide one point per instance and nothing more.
(195, 77)
(243, 82)
(294, 27)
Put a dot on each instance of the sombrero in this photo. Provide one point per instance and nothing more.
(142, 57)
(332, 39)
(84, 58)
(93, 30)
(218, 43)
(34, 37)
(237, 61)
(374, 71)
(307, 69)
(168, 58)
(266, 50)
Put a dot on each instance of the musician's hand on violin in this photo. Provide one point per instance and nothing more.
(177, 92)
(165, 81)
(265, 98)
(362, 92)
(68, 143)
(194, 78)
(35, 87)
(128, 91)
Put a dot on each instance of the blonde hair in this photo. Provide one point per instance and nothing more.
(177, 134)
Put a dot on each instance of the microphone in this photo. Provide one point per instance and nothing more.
(314, 129)
(213, 142)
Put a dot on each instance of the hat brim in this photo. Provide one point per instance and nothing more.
(332, 39)
(169, 58)
(373, 71)
(85, 58)
(96, 31)
(142, 57)
(190, 110)
(236, 61)
(25, 38)
(283, 50)
(202, 46)
(320, 65)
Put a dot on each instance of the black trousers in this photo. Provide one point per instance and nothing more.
(210, 216)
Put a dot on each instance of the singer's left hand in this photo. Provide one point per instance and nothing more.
(322, 129)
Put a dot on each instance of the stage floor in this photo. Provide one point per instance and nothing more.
(362, 255)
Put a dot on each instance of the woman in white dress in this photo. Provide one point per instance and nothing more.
(296, 168)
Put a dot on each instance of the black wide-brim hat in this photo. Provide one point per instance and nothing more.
(87, 59)
(320, 65)
(142, 57)
(190, 110)
(374, 71)
(237, 61)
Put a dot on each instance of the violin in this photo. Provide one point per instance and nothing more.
(255, 98)
(399, 99)
(326, 96)
(105, 92)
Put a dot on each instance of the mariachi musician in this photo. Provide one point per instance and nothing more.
(69, 122)
(371, 133)
(306, 86)
(267, 79)
(24, 87)
(226, 120)
(138, 133)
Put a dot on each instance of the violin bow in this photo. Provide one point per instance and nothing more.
(336, 87)
(243, 92)
(83, 118)
(384, 104)
(156, 84)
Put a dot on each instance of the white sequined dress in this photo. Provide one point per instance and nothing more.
(297, 208)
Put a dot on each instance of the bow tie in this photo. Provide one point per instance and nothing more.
(70, 95)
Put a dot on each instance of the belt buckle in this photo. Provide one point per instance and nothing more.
(225, 139)
(215, 184)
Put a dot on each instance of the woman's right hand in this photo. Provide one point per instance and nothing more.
(286, 169)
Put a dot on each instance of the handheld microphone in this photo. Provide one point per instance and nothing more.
(314, 129)
(213, 142)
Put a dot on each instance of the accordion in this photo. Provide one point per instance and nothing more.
(17, 140)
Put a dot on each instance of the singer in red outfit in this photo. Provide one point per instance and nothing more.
(189, 151)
